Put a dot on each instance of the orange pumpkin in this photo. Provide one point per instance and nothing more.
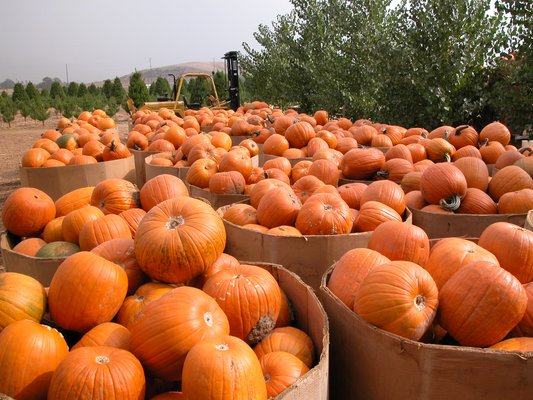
(324, 214)
(106, 334)
(114, 195)
(281, 370)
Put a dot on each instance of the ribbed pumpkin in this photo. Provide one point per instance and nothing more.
(524, 344)
(509, 179)
(100, 372)
(229, 182)
(449, 255)
(169, 327)
(400, 241)
(100, 230)
(133, 306)
(386, 192)
(399, 297)
(362, 163)
(281, 370)
(241, 214)
(279, 206)
(106, 334)
(74, 221)
(439, 150)
(223, 367)
(133, 217)
(201, 171)
(53, 231)
(263, 187)
(443, 184)
(513, 247)
(179, 239)
(324, 214)
(395, 169)
(350, 270)
(475, 171)
(476, 201)
(249, 296)
(464, 135)
(517, 202)
(306, 186)
(21, 297)
(115, 195)
(57, 249)
(121, 251)
(495, 131)
(29, 355)
(26, 211)
(372, 214)
(29, 247)
(160, 188)
(104, 286)
(525, 326)
(73, 200)
(480, 304)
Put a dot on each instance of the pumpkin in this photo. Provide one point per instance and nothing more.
(399, 297)
(439, 150)
(104, 286)
(104, 372)
(29, 247)
(75, 220)
(466, 151)
(491, 151)
(29, 355)
(395, 169)
(278, 174)
(300, 169)
(281, 163)
(476, 201)
(223, 367)
(26, 211)
(495, 131)
(415, 200)
(159, 188)
(100, 230)
(121, 251)
(229, 182)
(509, 179)
(525, 326)
(480, 304)
(398, 241)
(179, 239)
(464, 135)
(114, 195)
(201, 171)
(449, 255)
(115, 150)
(58, 249)
(362, 163)
(324, 214)
(299, 134)
(281, 370)
(262, 188)
(411, 181)
(443, 184)
(169, 327)
(241, 214)
(513, 247)
(236, 161)
(524, 344)
(326, 171)
(73, 200)
(386, 192)
(250, 297)
(475, 172)
(82, 159)
(21, 297)
(278, 206)
(133, 306)
(517, 202)
(53, 231)
(222, 262)
(372, 214)
(34, 157)
(349, 272)
(283, 230)
(106, 334)
(288, 339)
(133, 217)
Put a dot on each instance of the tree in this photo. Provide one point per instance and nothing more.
(72, 89)
(160, 87)
(137, 89)
(112, 107)
(39, 111)
(93, 89)
(31, 91)
(118, 91)
(8, 111)
(24, 108)
(19, 93)
(221, 84)
(107, 88)
(57, 91)
(46, 83)
(82, 90)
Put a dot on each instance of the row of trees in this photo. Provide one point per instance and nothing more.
(421, 63)
(69, 100)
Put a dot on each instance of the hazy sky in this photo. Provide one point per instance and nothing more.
(100, 39)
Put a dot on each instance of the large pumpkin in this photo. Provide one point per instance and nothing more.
(220, 368)
(76, 219)
(250, 297)
(100, 230)
(26, 211)
(85, 291)
(399, 297)
(386, 192)
(179, 239)
(170, 326)
(115, 195)
(279, 206)
(443, 184)
(509, 179)
(480, 304)
(21, 297)
(98, 373)
(73, 200)
(324, 214)
(362, 163)
(160, 188)
(29, 355)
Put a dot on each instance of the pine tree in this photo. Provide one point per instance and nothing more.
(31, 91)
(8, 111)
(82, 90)
(107, 89)
(57, 91)
(72, 89)
(39, 112)
(117, 90)
(137, 90)
(19, 93)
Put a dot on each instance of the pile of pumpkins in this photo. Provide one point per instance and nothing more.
(148, 305)
(88, 139)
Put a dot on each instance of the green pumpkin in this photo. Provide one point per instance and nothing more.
(57, 250)
(66, 141)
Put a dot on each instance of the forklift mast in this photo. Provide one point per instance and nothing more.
(232, 71)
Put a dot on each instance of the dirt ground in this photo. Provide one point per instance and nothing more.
(20, 136)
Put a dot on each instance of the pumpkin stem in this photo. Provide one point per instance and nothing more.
(459, 129)
(484, 143)
(174, 223)
(267, 378)
(382, 174)
(451, 203)
(101, 360)
(420, 302)
(112, 145)
(262, 328)
(446, 135)
(447, 157)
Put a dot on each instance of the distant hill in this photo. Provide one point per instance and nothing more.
(150, 75)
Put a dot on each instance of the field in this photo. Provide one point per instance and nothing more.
(20, 136)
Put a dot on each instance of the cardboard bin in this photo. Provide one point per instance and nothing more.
(311, 318)
(57, 181)
(469, 225)
(140, 165)
(368, 363)
(265, 157)
(217, 200)
(42, 269)
(308, 256)
(152, 171)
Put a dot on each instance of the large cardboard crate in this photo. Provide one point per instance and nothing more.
(309, 256)
(57, 181)
(265, 157)
(216, 200)
(140, 165)
(311, 318)
(42, 269)
(152, 171)
(368, 363)
(469, 225)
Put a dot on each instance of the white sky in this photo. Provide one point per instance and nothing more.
(100, 39)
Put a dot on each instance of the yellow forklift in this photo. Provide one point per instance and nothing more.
(179, 103)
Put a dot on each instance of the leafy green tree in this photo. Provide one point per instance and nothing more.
(57, 91)
(72, 89)
(107, 88)
(19, 93)
(137, 89)
(82, 90)
(31, 91)
(39, 111)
